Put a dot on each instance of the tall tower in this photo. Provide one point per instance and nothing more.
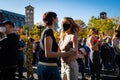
(103, 15)
(29, 16)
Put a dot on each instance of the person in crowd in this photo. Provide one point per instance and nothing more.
(8, 52)
(88, 56)
(111, 52)
(108, 54)
(68, 40)
(105, 55)
(36, 49)
(94, 45)
(29, 58)
(116, 46)
(20, 65)
(48, 57)
(81, 59)
(34, 54)
(2, 36)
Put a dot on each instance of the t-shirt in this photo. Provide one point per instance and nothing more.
(47, 32)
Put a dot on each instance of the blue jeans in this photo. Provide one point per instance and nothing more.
(48, 72)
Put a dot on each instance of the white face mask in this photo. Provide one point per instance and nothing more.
(56, 27)
(2, 29)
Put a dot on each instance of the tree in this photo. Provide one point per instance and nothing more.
(25, 28)
(116, 21)
(57, 35)
(82, 28)
(103, 25)
(92, 22)
(80, 23)
(36, 31)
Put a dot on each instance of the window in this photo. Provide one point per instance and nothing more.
(31, 11)
(27, 11)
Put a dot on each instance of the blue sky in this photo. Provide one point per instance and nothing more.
(77, 9)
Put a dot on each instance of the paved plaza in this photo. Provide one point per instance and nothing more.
(105, 75)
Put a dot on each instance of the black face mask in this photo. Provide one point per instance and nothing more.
(118, 35)
(66, 26)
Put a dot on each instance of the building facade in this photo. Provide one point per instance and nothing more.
(29, 18)
(17, 19)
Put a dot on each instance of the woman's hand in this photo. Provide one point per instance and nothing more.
(73, 52)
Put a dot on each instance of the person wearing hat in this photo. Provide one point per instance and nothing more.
(116, 46)
(8, 52)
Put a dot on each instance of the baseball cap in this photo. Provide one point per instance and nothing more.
(8, 22)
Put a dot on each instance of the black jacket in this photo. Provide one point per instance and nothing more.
(8, 50)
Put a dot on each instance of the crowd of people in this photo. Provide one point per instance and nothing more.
(96, 52)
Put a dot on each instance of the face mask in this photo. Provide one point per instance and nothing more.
(2, 29)
(56, 27)
(118, 35)
(66, 26)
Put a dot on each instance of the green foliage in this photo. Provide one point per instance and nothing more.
(57, 36)
(103, 25)
(34, 33)
(35, 30)
(116, 21)
(25, 28)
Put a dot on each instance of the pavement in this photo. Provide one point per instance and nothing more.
(25, 74)
(105, 75)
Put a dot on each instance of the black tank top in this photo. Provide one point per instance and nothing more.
(47, 32)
